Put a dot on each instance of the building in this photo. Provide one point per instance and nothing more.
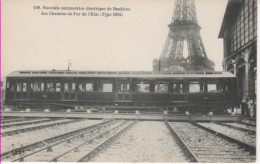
(2, 91)
(239, 33)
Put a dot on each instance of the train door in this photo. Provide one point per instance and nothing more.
(10, 90)
(21, 90)
(69, 91)
(123, 91)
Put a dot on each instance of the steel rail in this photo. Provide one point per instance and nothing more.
(246, 146)
(17, 120)
(245, 120)
(92, 152)
(55, 159)
(51, 139)
(248, 124)
(8, 133)
(183, 145)
(21, 159)
(235, 127)
(206, 152)
(26, 123)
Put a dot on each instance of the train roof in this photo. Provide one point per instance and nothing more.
(123, 74)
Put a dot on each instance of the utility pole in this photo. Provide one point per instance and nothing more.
(69, 64)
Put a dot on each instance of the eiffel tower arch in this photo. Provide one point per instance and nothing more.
(184, 49)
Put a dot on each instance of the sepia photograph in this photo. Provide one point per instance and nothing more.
(172, 81)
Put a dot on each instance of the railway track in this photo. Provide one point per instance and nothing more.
(104, 139)
(30, 122)
(84, 144)
(244, 138)
(205, 145)
(21, 119)
(182, 144)
(51, 141)
(238, 126)
(248, 121)
(147, 141)
(195, 142)
(37, 127)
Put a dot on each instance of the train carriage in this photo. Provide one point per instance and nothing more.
(174, 91)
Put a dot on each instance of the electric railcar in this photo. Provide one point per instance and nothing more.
(179, 91)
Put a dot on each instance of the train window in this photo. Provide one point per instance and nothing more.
(58, 87)
(89, 87)
(194, 87)
(212, 88)
(124, 86)
(35, 87)
(19, 87)
(66, 87)
(11, 87)
(7, 85)
(181, 88)
(178, 87)
(50, 87)
(143, 87)
(81, 87)
(107, 87)
(32, 86)
(73, 86)
(175, 88)
(221, 88)
(42, 86)
(24, 87)
(161, 88)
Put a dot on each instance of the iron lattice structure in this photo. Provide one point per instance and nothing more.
(184, 29)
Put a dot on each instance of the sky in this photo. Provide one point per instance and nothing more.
(31, 41)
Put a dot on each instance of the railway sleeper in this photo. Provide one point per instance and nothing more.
(244, 145)
(90, 154)
(220, 152)
(87, 142)
(240, 158)
(35, 145)
(237, 128)
(211, 150)
(76, 149)
(49, 149)
(182, 144)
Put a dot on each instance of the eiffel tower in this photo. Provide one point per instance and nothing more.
(184, 49)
